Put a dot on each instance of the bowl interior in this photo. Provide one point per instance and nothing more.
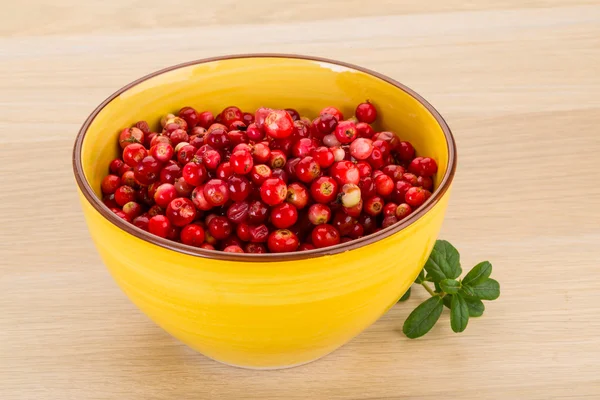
(303, 84)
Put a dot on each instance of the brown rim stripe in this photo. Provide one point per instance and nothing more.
(219, 255)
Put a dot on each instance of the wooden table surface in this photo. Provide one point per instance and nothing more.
(517, 80)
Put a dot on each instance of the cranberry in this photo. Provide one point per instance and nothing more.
(110, 184)
(217, 138)
(159, 225)
(303, 147)
(293, 113)
(164, 194)
(206, 119)
(324, 190)
(129, 136)
(255, 248)
(297, 195)
(277, 159)
(248, 118)
(319, 214)
(355, 210)
(367, 187)
(253, 132)
(261, 153)
(273, 191)
(141, 221)
(241, 162)
(307, 169)
(192, 235)
(282, 241)
(301, 130)
(406, 152)
(174, 123)
(343, 223)
(357, 231)
(224, 170)
(425, 182)
(345, 131)
(179, 136)
(345, 172)
(134, 153)
(170, 172)
(124, 195)
(278, 124)
(376, 158)
(423, 166)
(185, 153)
(230, 115)
(239, 188)
(199, 199)
(323, 156)
(189, 115)
(332, 111)
(236, 136)
(181, 211)
(259, 234)
(399, 192)
(156, 139)
(388, 221)
(364, 130)
(215, 192)
(257, 212)
(238, 212)
(364, 169)
(233, 249)
(183, 188)
(284, 215)
(325, 235)
(220, 227)
(366, 112)
(361, 148)
(306, 246)
(384, 185)
(415, 196)
(260, 173)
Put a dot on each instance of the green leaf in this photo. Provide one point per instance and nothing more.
(459, 313)
(476, 307)
(422, 319)
(478, 274)
(443, 262)
(421, 277)
(405, 296)
(438, 289)
(450, 286)
(447, 300)
(487, 290)
(466, 291)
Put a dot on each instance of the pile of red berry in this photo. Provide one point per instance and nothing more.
(271, 181)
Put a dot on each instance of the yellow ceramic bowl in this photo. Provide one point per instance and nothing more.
(263, 311)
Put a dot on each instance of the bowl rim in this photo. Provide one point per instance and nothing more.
(100, 207)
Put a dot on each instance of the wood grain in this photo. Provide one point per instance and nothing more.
(517, 81)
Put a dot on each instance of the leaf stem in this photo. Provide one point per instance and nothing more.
(426, 286)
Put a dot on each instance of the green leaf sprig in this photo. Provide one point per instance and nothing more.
(462, 296)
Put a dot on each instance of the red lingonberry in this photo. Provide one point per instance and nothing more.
(159, 138)
(192, 235)
(361, 148)
(159, 225)
(110, 184)
(364, 130)
(224, 170)
(324, 125)
(423, 166)
(194, 173)
(277, 159)
(242, 231)
(303, 147)
(384, 185)
(241, 162)
(115, 165)
(410, 178)
(319, 214)
(345, 172)
(233, 249)
(325, 235)
(206, 119)
(238, 212)
(297, 195)
(323, 156)
(402, 211)
(261, 153)
(199, 199)
(124, 195)
(406, 151)
(355, 210)
(170, 172)
(189, 115)
(306, 246)
(164, 194)
(257, 212)
(346, 132)
(134, 153)
(220, 227)
(278, 124)
(185, 153)
(389, 209)
(364, 169)
(181, 211)
(293, 113)
(259, 233)
(179, 136)
(255, 248)
(399, 192)
(129, 136)
(425, 182)
(141, 221)
(215, 192)
(143, 126)
(147, 170)
(415, 196)
(373, 205)
(132, 210)
(273, 191)
(324, 190)
(366, 112)
(282, 241)
(350, 195)
(284, 215)
(260, 173)
(183, 188)
(230, 115)
(307, 169)
(388, 221)
(217, 138)
(162, 152)
(335, 112)
(301, 130)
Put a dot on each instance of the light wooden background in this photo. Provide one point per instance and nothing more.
(517, 80)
